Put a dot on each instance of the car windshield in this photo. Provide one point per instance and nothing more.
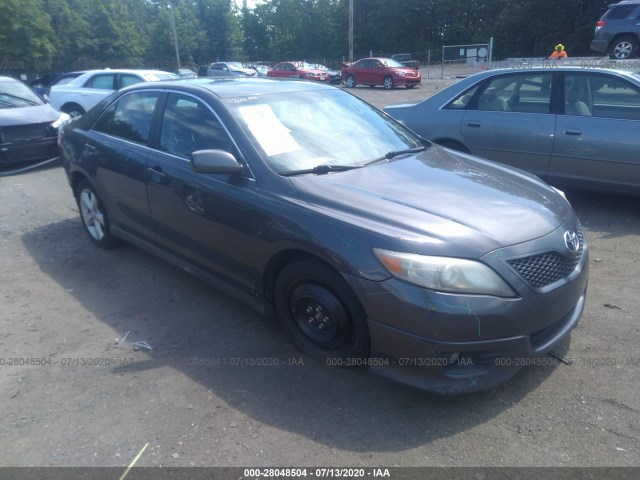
(159, 76)
(390, 62)
(235, 65)
(302, 130)
(14, 94)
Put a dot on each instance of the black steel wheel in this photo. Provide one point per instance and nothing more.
(321, 312)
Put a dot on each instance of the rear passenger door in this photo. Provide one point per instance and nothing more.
(512, 121)
(207, 219)
(119, 156)
(599, 148)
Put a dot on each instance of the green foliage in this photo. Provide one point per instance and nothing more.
(45, 35)
(25, 33)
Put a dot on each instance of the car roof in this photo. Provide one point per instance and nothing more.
(126, 70)
(233, 87)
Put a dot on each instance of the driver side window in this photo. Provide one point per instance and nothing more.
(188, 126)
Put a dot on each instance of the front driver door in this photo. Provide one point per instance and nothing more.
(206, 219)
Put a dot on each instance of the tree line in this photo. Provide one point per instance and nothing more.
(61, 35)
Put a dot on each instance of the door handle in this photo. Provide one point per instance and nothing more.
(156, 173)
(572, 131)
(473, 123)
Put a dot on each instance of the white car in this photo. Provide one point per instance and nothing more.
(85, 91)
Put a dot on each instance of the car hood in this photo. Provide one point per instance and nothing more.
(28, 115)
(439, 199)
(412, 71)
(245, 71)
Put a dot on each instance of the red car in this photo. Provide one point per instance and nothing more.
(380, 71)
(298, 70)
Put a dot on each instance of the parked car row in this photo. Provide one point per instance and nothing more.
(79, 94)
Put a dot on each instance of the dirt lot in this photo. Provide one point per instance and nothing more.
(97, 399)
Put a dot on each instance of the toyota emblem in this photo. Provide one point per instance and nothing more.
(572, 241)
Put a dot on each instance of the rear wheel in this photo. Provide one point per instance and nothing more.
(73, 110)
(350, 82)
(623, 47)
(387, 83)
(94, 217)
(321, 312)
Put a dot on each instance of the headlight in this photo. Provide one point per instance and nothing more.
(62, 120)
(444, 274)
(402, 74)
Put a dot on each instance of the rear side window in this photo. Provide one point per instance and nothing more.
(618, 13)
(525, 93)
(103, 82)
(462, 101)
(126, 80)
(130, 117)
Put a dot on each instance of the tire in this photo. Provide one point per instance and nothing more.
(623, 47)
(95, 219)
(387, 83)
(453, 145)
(350, 82)
(73, 110)
(412, 85)
(321, 312)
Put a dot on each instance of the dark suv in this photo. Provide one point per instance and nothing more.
(618, 31)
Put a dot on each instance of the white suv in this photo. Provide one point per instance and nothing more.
(82, 93)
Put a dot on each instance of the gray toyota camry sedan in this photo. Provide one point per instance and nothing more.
(373, 246)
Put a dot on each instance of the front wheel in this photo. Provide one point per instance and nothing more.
(387, 83)
(350, 82)
(94, 217)
(623, 48)
(321, 312)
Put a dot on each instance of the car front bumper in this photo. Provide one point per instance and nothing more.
(402, 81)
(19, 151)
(453, 344)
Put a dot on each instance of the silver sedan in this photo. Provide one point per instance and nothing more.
(571, 126)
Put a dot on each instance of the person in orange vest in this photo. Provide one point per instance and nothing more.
(558, 53)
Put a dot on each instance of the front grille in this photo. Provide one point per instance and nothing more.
(26, 132)
(545, 268)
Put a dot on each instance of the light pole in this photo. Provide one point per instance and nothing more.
(350, 31)
(175, 34)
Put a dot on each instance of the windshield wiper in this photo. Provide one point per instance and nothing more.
(321, 169)
(395, 153)
(26, 100)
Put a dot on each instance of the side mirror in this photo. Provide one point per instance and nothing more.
(215, 161)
